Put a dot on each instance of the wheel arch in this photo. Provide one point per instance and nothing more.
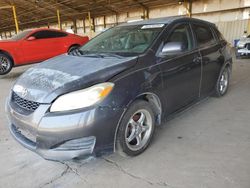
(156, 104)
(8, 54)
(228, 63)
(72, 45)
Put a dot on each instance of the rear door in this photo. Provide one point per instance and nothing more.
(212, 58)
(181, 73)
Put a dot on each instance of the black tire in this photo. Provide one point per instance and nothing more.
(6, 64)
(223, 84)
(72, 48)
(131, 148)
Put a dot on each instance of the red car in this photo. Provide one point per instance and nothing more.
(34, 46)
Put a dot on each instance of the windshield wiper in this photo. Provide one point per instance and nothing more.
(111, 55)
(78, 52)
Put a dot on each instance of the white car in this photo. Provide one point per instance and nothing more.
(243, 47)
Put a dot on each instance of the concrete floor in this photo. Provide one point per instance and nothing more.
(207, 146)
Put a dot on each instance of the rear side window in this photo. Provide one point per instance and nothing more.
(48, 34)
(204, 35)
(218, 33)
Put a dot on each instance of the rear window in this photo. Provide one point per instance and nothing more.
(204, 35)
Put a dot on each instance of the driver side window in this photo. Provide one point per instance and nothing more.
(181, 34)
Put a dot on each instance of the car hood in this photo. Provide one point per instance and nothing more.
(66, 73)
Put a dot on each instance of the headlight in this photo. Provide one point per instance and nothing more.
(82, 98)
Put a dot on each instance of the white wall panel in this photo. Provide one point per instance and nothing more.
(232, 30)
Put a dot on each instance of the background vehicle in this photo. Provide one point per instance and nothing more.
(243, 47)
(34, 46)
(112, 92)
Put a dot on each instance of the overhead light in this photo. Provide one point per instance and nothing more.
(180, 2)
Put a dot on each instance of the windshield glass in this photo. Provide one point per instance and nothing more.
(20, 35)
(124, 40)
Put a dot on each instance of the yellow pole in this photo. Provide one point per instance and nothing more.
(187, 6)
(59, 19)
(15, 18)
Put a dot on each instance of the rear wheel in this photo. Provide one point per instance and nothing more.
(223, 82)
(6, 64)
(136, 128)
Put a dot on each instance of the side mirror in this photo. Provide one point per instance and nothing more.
(172, 48)
(31, 38)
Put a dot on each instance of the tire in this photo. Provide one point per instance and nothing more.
(136, 128)
(223, 82)
(72, 48)
(6, 64)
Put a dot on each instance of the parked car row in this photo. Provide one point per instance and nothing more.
(32, 46)
(243, 47)
(110, 94)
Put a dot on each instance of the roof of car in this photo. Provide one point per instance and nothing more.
(46, 29)
(165, 20)
(43, 29)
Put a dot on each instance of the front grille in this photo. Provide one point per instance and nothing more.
(24, 104)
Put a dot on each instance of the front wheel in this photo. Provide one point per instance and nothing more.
(73, 48)
(223, 82)
(136, 128)
(6, 64)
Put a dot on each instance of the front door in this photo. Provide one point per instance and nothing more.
(181, 72)
(44, 46)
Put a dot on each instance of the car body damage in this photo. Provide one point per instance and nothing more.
(65, 73)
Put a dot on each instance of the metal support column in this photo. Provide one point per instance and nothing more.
(15, 18)
(188, 6)
(84, 26)
(104, 22)
(75, 25)
(90, 22)
(59, 19)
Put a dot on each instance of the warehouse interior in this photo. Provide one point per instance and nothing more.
(207, 145)
(92, 17)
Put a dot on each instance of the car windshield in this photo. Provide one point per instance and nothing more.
(20, 35)
(123, 40)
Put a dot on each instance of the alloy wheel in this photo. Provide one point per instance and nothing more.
(224, 80)
(138, 130)
(4, 64)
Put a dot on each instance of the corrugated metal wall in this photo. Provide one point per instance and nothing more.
(232, 30)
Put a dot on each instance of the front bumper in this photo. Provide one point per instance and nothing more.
(63, 136)
(84, 146)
